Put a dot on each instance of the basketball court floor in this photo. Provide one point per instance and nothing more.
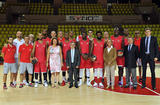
(82, 96)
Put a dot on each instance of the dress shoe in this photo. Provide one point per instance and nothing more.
(70, 86)
(154, 88)
(76, 86)
(143, 87)
(126, 86)
(134, 87)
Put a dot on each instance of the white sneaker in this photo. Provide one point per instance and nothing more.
(131, 83)
(45, 84)
(80, 82)
(26, 83)
(95, 84)
(101, 85)
(88, 83)
(36, 85)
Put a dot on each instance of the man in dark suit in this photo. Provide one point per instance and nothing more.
(149, 54)
(131, 56)
(73, 63)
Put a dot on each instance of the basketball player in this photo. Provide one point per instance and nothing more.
(40, 54)
(65, 47)
(118, 44)
(85, 64)
(98, 64)
(60, 36)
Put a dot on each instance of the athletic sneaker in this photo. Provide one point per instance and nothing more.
(45, 84)
(21, 86)
(101, 85)
(95, 84)
(36, 85)
(80, 82)
(12, 85)
(30, 85)
(120, 84)
(88, 83)
(4, 86)
(63, 83)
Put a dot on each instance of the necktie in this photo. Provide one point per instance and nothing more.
(146, 46)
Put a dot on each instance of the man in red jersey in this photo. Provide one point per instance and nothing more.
(65, 47)
(71, 36)
(83, 46)
(118, 44)
(60, 36)
(98, 65)
(40, 54)
(8, 53)
(137, 41)
(24, 57)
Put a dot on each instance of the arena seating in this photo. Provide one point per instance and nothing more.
(34, 8)
(126, 9)
(82, 9)
(10, 30)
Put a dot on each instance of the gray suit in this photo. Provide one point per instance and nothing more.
(72, 66)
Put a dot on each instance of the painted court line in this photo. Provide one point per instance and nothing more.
(150, 89)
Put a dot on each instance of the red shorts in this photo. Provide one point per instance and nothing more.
(120, 61)
(85, 64)
(64, 67)
(98, 64)
(40, 67)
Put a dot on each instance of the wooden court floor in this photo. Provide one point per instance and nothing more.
(65, 96)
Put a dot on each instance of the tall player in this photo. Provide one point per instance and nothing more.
(118, 44)
(24, 56)
(17, 42)
(8, 53)
(85, 63)
(137, 41)
(65, 47)
(71, 36)
(40, 54)
(98, 64)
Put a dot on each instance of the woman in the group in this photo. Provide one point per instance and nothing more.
(110, 56)
(54, 56)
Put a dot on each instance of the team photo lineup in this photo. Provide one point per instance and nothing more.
(44, 58)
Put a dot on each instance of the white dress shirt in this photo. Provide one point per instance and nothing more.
(109, 48)
(72, 55)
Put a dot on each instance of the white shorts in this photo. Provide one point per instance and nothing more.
(139, 63)
(9, 66)
(25, 67)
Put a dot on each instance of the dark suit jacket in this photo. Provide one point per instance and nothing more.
(131, 56)
(76, 58)
(153, 48)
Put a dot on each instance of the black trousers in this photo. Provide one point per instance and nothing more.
(73, 72)
(145, 60)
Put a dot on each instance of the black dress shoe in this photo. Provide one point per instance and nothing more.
(143, 87)
(70, 86)
(134, 87)
(126, 86)
(140, 80)
(154, 88)
(76, 86)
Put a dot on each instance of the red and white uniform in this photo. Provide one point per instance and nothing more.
(61, 39)
(137, 42)
(25, 53)
(117, 43)
(98, 52)
(65, 48)
(79, 38)
(40, 54)
(9, 53)
(47, 40)
(84, 45)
